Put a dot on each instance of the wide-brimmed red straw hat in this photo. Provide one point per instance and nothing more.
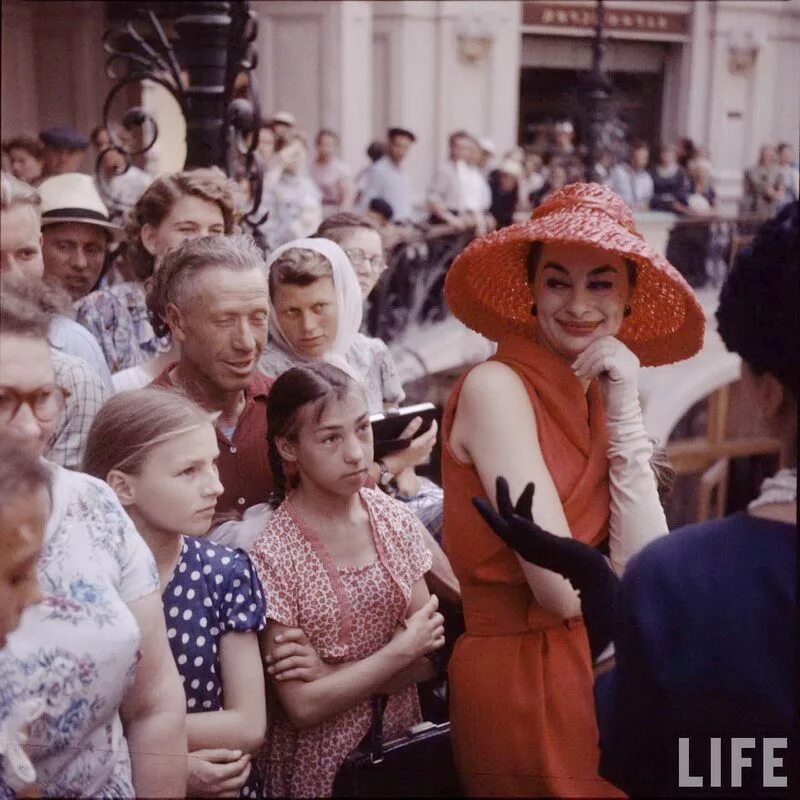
(487, 288)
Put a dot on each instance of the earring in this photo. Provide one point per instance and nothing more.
(627, 311)
(534, 310)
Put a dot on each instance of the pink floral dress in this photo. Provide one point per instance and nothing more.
(347, 613)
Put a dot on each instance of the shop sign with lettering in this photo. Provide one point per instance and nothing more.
(567, 15)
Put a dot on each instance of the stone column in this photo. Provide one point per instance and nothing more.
(316, 62)
(451, 64)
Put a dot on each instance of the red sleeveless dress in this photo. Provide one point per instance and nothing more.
(521, 701)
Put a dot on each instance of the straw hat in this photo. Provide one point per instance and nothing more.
(487, 289)
(73, 197)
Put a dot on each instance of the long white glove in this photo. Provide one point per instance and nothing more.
(637, 517)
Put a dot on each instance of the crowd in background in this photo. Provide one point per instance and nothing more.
(95, 308)
(305, 181)
(474, 189)
(184, 438)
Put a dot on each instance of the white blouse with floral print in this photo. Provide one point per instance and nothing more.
(78, 649)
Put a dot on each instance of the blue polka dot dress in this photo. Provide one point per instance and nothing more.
(214, 590)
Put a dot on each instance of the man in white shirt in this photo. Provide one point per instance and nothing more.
(459, 191)
(388, 180)
(488, 157)
(631, 180)
(477, 194)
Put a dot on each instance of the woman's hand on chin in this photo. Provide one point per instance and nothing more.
(617, 368)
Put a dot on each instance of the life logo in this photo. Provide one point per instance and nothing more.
(746, 753)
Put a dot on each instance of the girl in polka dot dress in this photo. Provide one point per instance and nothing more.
(346, 565)
(157, 450)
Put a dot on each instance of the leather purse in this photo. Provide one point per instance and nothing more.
(419, 764)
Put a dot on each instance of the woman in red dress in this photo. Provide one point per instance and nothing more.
(576, 300)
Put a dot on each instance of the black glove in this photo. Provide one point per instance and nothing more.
(583, 566)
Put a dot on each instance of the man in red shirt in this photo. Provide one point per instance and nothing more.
(211, 293)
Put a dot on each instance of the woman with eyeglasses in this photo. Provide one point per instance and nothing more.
(362, 244)
(95, 650)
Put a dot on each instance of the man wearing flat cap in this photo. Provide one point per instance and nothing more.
(76, 232)
(387, 179)
(64, 149)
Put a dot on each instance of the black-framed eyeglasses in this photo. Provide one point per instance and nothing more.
(358, 258)
(46, 402)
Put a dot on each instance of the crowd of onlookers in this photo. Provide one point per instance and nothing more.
(184, 433)
(147, 350)
(306, 181)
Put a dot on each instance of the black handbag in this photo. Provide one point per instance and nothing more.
(419, 764)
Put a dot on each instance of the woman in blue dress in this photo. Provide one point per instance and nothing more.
(157, 450)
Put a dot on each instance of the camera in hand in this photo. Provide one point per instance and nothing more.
(389, 425)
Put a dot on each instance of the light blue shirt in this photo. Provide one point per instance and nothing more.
(69, 337)
(390, 182)
(635, 188)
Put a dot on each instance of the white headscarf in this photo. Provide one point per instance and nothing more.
(348, 300)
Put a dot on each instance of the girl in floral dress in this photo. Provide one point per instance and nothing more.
(345, 564)
(157, 450)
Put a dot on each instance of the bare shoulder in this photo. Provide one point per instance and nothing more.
(491, 383)
(494, 412)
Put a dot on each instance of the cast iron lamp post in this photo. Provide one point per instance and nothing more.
(597, 95)
(200, 63)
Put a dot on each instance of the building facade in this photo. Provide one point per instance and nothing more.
(718, 71)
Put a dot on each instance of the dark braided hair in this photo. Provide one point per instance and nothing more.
(311, 389)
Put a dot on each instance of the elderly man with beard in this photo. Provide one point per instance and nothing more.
(212, 295)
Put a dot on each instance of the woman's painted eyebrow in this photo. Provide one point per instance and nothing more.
(595, 271)
(557, 267)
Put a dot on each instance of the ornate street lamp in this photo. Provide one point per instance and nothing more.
(205, 58)
(597, 90)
